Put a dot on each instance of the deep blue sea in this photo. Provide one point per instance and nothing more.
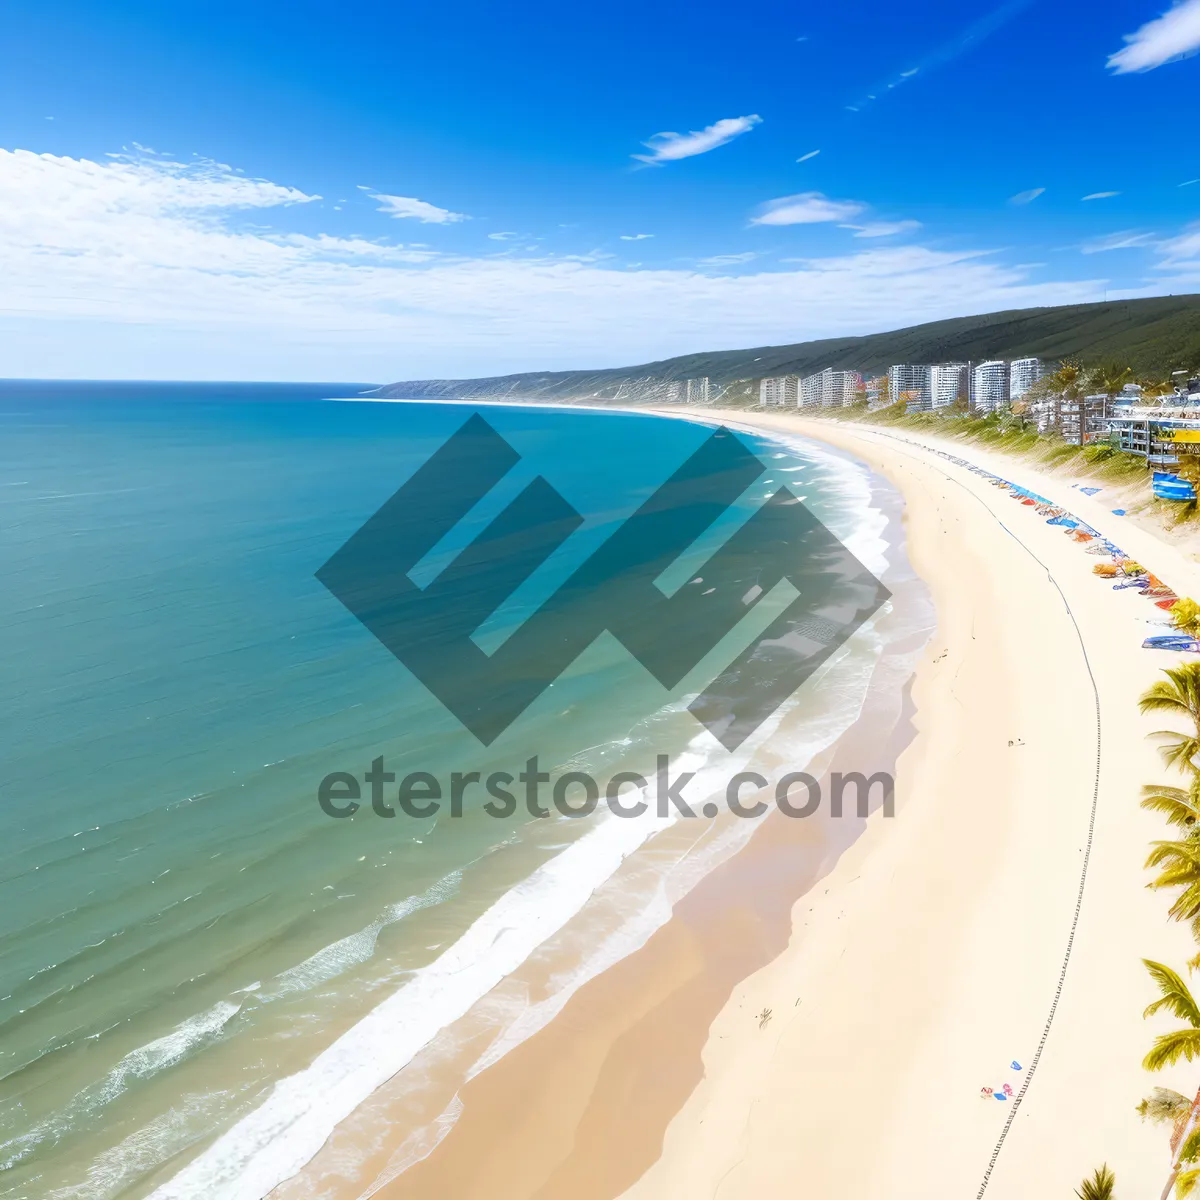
(181, 926)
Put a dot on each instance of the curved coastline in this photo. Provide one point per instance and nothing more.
(640, 1022)
(929, 962)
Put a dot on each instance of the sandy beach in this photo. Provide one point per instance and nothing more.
(989, 935)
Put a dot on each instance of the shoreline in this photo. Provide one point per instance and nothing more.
(690, 953)
(915, 973)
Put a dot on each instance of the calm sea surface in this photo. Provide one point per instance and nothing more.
(181, 927)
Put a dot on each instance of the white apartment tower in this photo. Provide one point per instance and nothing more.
(1023, 374)
(697, 390)
(839, 388)
(778, 391)
(947, 382)
(910, 382)
(830, 389)
(989, 385)
(811, 391)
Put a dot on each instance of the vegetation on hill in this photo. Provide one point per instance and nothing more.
(1153, 336)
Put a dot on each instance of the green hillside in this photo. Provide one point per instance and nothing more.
(1154, 336)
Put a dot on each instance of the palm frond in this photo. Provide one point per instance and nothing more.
(1169, 1048)
(1179, 753)
(1179, 692)
(1177, 853)
(1175, 998)
(1186, 906)
(1177, 805)
(1099, 1187)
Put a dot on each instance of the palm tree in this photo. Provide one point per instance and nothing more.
(1099, 1187)
(1179, 694)
(1109, 378)
(1167, 1050)
(1065, 384)
(1179, 864)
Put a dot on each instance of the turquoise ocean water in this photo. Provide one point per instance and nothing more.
(200, 972)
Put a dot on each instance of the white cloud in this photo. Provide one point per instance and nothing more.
(1100, 195)
(145, 268)
(874, 229)
(728, 260)
(635, 237)
(806, 208)
(806, 157)
(1174, 35)
(668, 147)
(503, 236)
(1182, 249)
(1126, 239)
(1026, 197)
(403, 207)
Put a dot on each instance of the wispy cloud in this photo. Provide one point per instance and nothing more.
(1026, 197)
(1174, 35)
(947, 52)
(505, 235)
(635, 237)
(728, 260)
(406, 207)
(1182, 250)
(1187, 182)
(806, 157)
(1125, 239)
(874, 229)
(1100, 195)
(127, 268)
(669, 147)
(806, 208)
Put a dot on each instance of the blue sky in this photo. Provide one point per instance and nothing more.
(407, 190)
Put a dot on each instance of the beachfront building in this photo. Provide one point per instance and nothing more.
(877, 391)
(989, 386)
(948, 383)
(697, 391)
(1082, 420)
(781, 390)
(852, 387)
(910, 382)
(811, 393)
(1023, 373)
(1159, 435)
(832, 389)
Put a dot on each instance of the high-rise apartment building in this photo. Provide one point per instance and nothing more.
(989, 386)
(830, 389)
(910, 382)
(697, 390)
(948, 382)
(781, 390)
(811, 391)
(1023, 373)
